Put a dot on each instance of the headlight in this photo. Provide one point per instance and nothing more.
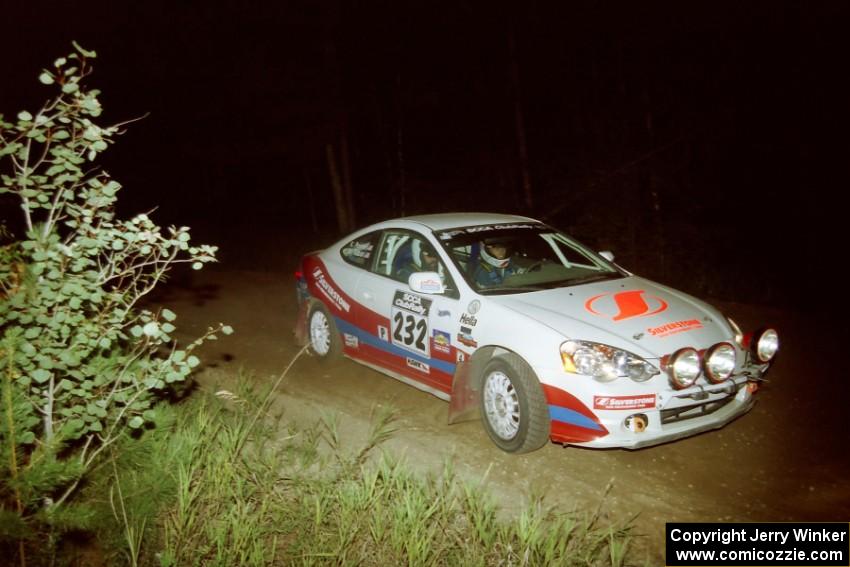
(603, 362)
(765, 345)
(719, 362)
(683, 367)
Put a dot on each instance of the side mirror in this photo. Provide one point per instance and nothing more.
(426, 282)
(608, 255)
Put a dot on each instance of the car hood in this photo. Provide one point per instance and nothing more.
(634, 313)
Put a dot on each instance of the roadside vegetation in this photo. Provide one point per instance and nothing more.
(211, 485)
(107, 457)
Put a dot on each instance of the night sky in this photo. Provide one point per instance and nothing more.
(695, 140)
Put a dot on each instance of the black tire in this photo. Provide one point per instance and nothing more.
(322, 334)
(513, 407)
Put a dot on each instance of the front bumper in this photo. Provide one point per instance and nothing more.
(677, 414)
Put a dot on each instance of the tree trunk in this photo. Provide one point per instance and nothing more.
(519, 121)
(339, 197)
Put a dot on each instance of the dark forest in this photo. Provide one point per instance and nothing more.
(694, 141)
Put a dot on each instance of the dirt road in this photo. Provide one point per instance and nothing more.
(785, 460)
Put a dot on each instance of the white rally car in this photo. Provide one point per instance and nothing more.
(508, 318)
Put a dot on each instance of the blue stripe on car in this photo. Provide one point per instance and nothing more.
(372, 340)
(573, 417)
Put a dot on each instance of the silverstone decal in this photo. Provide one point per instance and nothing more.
(467, 319)
(417, 365)
(409, 320)
(625, 305)
(328, 290)
(351, 340)
(383, 333)
(674, 328)
(624, 402)
(442, 341)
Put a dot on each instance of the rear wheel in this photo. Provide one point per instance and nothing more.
(513, 407)
(325, 342)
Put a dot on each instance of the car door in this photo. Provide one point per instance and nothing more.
(409, 333)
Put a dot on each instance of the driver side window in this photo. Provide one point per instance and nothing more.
(402, 253)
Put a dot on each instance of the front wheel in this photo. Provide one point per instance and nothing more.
(324, 337)
(513, 407)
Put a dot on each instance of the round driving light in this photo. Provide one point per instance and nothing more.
(683, 367)
(765, 345)
(720, 362)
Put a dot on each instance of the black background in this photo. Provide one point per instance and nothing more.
(702, 142)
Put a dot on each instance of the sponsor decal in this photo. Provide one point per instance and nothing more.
(624, 402)
(359, 250)
(383, 333)
(442, 341)
(674, 328)
(412, 302)
(444, 313)
(474, 306)
(466, 339)
(328, 290)
(431, 286)
(489, 227)
(420, 366)
(461, 356)
(351, 340)
(467, 319)
(625, 305)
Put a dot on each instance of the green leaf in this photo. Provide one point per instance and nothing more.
(32, 332)
(168, 327)
(40, 375)
(70, 87)
(136, 422)
(193, 361)
(104, 342)
(82, 51)
(168, 315)
(197, 266)
(227, 330)
(46, 78)
(24, 116)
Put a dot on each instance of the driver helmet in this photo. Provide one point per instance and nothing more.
(492, 260)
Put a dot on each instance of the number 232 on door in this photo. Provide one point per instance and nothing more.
(409, 320)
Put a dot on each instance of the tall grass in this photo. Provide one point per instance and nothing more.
(212, 485)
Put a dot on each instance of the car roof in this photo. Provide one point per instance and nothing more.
(445, 221)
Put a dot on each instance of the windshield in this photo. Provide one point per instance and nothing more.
(522, 257)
